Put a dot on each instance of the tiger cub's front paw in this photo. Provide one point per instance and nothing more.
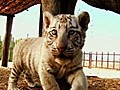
(9, 88)
(12, 86)
(34, 85)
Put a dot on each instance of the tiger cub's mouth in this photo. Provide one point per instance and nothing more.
(62, 54)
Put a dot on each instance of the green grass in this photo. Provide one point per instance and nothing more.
(12, 44)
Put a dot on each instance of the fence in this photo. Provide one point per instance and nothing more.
(101, 60)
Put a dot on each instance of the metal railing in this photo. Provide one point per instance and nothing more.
(101, 60)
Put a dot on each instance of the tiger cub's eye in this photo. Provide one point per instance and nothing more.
(54, 32)
(71, 32)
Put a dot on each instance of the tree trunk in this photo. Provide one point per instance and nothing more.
(7, 39)
(59, 6)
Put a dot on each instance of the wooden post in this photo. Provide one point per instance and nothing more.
(6, 42)
(40, 21)
(114, 60)
(107, 60)
(96, 59)
(102, 60)
(83, 58)
(119, 63)
(0, 47)
(90, 59)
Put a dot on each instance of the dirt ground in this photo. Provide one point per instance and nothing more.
(95, 83)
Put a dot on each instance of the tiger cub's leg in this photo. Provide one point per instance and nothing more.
(30, 81)
(78, 80)
(13, 78)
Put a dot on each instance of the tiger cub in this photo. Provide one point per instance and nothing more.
(57, 54)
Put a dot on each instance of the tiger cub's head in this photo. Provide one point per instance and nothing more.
(65, 34)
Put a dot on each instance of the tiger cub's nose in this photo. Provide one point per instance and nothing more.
(61, 49)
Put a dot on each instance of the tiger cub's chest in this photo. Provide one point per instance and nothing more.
(62, 68)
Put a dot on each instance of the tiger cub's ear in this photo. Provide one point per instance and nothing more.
(84, 19)
(47, 19)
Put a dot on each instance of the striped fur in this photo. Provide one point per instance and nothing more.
(57, 54)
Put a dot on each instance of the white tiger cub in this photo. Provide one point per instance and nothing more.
(57, 54)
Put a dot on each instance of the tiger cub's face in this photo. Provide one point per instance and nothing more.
(65, 34)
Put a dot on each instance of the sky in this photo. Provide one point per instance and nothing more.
(103, 34)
